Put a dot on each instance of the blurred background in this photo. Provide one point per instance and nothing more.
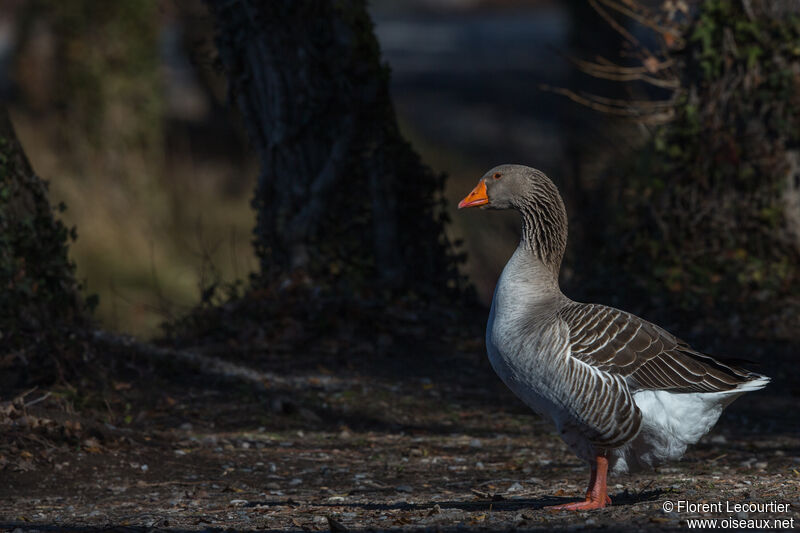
(120, 107)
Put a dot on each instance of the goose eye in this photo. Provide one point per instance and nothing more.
(497, 175)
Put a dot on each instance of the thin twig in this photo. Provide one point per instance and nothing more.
(640, 105)
(644, 112)
(644, 21)
(22, 396)
(614, 24)
(616, 73)
(605, 65)
(34, 402)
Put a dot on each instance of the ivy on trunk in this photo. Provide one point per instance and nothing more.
(38, 291)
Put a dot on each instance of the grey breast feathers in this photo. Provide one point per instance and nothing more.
(647, 356)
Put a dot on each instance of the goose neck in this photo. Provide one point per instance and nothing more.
(544, 232)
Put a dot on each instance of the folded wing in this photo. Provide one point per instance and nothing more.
(648, 357)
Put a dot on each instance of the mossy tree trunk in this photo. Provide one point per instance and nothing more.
(38, 292)
(710, 210)
(342, 198)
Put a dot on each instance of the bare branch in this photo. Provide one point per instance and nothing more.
(644, 21)
(614, 24)
(217, 367)
(607, 66)
(650, 112)
(619, 73)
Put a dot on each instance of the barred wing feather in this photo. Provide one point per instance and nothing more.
(649, 357)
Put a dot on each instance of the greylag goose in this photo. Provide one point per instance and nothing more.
(623, 393)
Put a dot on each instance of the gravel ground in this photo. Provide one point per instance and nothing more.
(363, 452)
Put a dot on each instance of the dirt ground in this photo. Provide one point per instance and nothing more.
(166, 448)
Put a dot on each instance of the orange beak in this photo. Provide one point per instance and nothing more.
(476, 197)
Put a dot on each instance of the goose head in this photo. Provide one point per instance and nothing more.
(509, 187)
(535, 196)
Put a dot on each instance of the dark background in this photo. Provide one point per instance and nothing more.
(133, 132)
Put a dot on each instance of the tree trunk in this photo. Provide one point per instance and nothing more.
(341, 196)
(37, 285)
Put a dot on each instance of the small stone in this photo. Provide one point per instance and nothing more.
(516, 487)
(475, 443)
(335, 526)
(404, 488)
(719, 439)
